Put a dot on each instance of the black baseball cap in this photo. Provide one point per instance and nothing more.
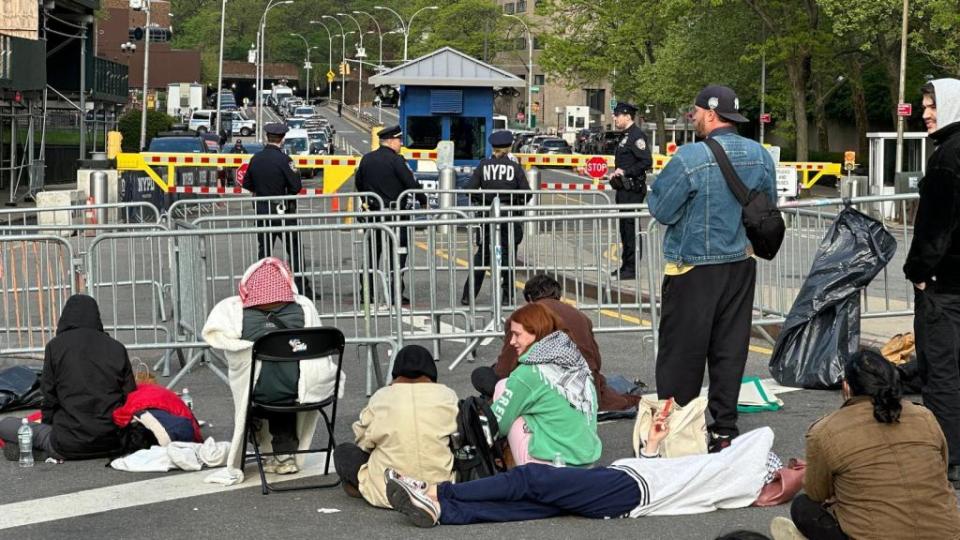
(722, 100)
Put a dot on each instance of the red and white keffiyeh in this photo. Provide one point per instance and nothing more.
(267, 281)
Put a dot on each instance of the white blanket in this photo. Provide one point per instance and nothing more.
(187, 456)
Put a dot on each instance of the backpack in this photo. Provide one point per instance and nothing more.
(761, 219)
(476, 454)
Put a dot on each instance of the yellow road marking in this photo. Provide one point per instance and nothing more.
(607, 312)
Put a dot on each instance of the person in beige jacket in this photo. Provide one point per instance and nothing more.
(876, 468)
(405, 426)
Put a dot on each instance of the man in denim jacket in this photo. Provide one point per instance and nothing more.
(710, 274)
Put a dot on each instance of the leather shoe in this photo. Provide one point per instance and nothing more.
(464, 300)
(628, 274)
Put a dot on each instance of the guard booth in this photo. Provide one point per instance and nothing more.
(884, 180)
(447, 95)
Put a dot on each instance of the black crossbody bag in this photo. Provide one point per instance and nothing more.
(761, 219)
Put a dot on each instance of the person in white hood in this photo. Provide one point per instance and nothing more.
(933, 266)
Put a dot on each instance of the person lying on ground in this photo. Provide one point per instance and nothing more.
(547, 407)
(267, 301)
(633, 487)
(406, 425)
(545, 290)
(876, 468)
(86, 376)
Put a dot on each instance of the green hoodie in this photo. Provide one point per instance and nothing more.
(556, 426)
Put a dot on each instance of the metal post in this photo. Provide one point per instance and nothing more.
(448, 182)
(146, 77)
(223, 17)
(903, 77)
(259, 89)
(83, 92)
(763, 92)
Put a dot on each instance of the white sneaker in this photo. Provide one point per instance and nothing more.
(280, 465)
(782, 528)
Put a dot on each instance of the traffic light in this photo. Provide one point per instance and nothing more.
(340, 67)
(136, 34)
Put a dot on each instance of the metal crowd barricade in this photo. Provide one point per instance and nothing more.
(332, 203)
(37, 276)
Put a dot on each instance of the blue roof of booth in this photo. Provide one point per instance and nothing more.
(447, 67)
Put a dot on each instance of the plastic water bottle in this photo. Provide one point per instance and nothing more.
(558, 460)
(187, 398)
(25, 439)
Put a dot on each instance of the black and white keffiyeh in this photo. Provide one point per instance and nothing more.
(560, 364)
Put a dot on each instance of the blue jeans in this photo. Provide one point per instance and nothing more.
(536, 491)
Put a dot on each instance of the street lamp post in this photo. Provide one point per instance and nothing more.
(261, 57)
(223, 16)
(343, 58)
(307, 66)
(529, 69)
(329, 58)
(146, 77)
(379, 34)
(360, 58)
(405, 26)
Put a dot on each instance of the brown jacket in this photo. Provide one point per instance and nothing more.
(581, 332)
(887, 480)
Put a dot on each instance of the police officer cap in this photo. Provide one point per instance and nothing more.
(625, 108)
(501, 139)
(392, 132)
(276, 128)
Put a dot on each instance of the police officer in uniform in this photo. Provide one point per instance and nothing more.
(498, 172)
(632, 159)
(271, 173)
(385, 172)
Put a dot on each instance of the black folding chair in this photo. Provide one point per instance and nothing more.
(295, 345)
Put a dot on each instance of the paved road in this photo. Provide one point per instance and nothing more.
(86, 500)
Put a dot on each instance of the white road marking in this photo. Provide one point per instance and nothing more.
(131, 494)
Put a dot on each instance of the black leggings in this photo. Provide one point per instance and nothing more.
(814, 521)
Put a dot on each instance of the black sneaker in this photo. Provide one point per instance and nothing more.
(409, 497)
(718, 442)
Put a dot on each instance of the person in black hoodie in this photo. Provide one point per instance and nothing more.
(933, 266)
(86, 375)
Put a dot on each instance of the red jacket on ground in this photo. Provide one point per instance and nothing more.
(153, 396)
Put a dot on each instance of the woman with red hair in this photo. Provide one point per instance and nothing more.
(547, 407)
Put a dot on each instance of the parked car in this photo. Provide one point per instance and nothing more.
(243, 125)
(303, 112)
(522, 140)
(296, 123)
(184, 143)
(554, 146)
(533, 146)
(297, 143)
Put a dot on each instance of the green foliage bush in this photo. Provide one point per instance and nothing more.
(129, 126)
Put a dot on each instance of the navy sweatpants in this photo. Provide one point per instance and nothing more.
(536, 491)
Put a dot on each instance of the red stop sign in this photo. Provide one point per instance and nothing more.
(242, 173)
(596, 167)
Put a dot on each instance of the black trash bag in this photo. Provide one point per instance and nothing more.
(822, 329)
(19, 388)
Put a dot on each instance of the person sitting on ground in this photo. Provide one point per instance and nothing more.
(545, 290)
(547, 407)
(405, 425)
(633, 487)
(876, 468)
(86, 376)
(268, 301)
